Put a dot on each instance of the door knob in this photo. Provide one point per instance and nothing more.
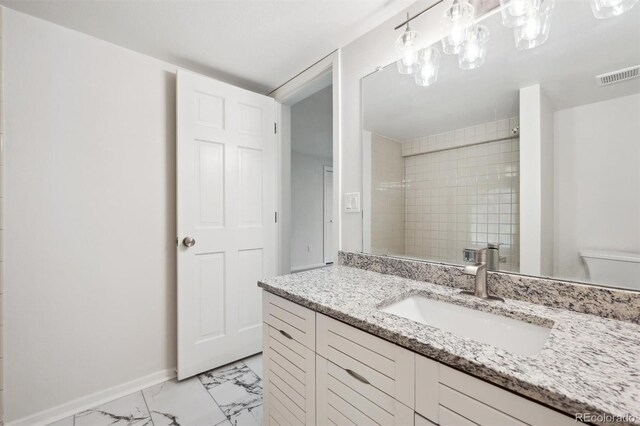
(189, 241)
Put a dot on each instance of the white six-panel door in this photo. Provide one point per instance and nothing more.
(225, 205)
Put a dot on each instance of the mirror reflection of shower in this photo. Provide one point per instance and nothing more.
(438, 194)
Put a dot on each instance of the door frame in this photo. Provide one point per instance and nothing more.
(285, 95)
(325, 169)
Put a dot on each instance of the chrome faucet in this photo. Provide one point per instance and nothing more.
(479, 271)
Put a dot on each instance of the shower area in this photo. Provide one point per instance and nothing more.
(437, 194)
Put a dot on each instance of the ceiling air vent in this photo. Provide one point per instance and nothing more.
(618, 76)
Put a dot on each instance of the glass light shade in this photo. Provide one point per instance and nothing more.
(610, 8)
(458, 18)
(428, 65)
(514, 12)
(474, 49)
(534, 30)
(406, 51)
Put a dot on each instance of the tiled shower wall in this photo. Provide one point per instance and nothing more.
(463, 195)
(387, 198)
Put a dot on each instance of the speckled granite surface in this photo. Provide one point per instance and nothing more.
(588, 364)
(612, 303)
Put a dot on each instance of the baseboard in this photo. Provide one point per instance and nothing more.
(308, 267)
(84, 403)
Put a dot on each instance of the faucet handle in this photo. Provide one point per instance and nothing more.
(469, 255)
(475, 255)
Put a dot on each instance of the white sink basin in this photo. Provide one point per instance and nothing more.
(515, 336)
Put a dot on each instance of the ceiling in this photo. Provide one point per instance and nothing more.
(579, 48)
(255, 44)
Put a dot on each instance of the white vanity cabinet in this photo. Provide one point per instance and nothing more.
(449, 397)
(318, 370)
(289, 362)
(361, 378)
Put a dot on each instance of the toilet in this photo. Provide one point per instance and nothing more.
(613, 268)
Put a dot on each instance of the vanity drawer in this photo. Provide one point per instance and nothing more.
(347, 399)
(384, 365)
(289, 380)
(465, 394)
(474, 410)
(441, 389)
(290, 319)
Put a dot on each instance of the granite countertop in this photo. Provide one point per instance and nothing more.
(589, 364)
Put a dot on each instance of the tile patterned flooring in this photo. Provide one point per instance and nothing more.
(229, 395)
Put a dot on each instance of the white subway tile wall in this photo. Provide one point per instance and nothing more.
(467, 196)
(387, 198)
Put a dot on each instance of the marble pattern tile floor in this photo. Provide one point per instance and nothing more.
(226, 396)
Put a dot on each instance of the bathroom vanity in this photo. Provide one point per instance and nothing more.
(528, 165)
(344, 345)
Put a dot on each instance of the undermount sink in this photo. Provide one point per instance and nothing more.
(515, 336)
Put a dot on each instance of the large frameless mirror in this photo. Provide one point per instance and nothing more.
(533, 150)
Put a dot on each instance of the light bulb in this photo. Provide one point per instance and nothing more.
(534, 30)
(408, 58)
(518, 7)
(406, 51)
(531, 28)
(474, 49)
(427, 67)
(472, 52)
(515, 11)
(457, 34)
(458, 18)
(428, 70)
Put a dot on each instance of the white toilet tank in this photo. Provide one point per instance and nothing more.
(613, 268)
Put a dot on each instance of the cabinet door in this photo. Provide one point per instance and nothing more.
(486, 404)
(386, 366)
(346, 398)
(289, 380)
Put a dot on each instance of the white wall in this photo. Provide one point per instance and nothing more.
(597, 181)
(90, 214)
(307, 210)
(387, 196)
(311, 149)
(359, 58)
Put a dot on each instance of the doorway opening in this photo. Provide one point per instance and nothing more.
(311, 181)
(308, 168)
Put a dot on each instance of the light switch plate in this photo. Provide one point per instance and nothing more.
(352, 202)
